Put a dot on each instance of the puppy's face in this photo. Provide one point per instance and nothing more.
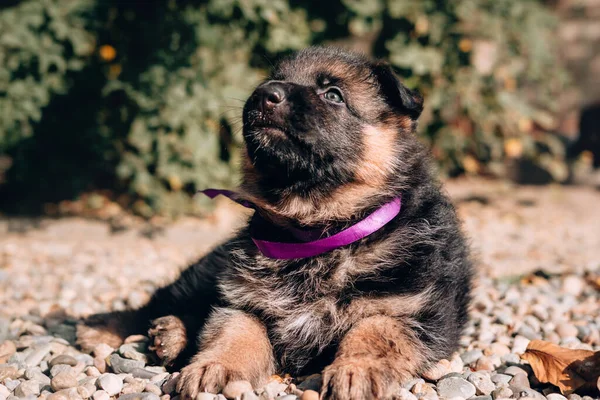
(324, 119)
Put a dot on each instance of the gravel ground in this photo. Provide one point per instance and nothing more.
(538, 248)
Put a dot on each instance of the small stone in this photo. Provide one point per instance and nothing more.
(122, 365)
(139, 396)
(133, 387)
(574, 396)
(502, 393)
(110, 383)
(501, 378)
(469, 357)
(133, 351)
(36, 374)
(437, 371)
(484, 364)
(528, 332)
(236, 388)
(61, 368)
(456, 363)
(4, 391)
(100, 395)
(64, 380)
(249, 395)
(205, 396)
(8, 371)
(169, 386)
(482, 382)
(35, 357)
(520, 381)
(566, 330)
(573, 285)
(408, 385)
(520, 393)
(510, 359)
(65, 394)
(498, 349)
(63, 359)
(556, 396)
(151, 388)
(455, 387)
(312, 382)
(404, 394)
(86, 391)
(423, 388)
(514, 370)
(27, 388)
(142, 373)
(309, 395)
(520, 344)
(287, 397)
(12, 384)
(92, 371)
(7, 349)
(102, 351)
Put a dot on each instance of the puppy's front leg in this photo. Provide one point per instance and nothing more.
(233, 346)
(373, 358)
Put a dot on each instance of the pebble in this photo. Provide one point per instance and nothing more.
(502, 393)
(455, 387)
(139, 396)
(312, 382)
(35, 358)
(65, 394)
(287, 397)
(59, 369)
(437, 371)
(205, 396)
(64, 380)
(169, 386)
(501, 378)
(482, 382)
(313, 395)
(151, 388)
(7, 349)
(110, 383)
(556, 396)
(514, 370)
(143, 373)
(566, 330)
(484, 364)
(249, 395)
(134, 351)
(404, 394)
(63, 359)
(520, 344)
(519, 380)
(236, 388)
(27, 388)
(122, 365)
(100, 395)
(469, 357)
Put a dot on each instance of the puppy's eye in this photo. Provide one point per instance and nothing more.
(334, 96)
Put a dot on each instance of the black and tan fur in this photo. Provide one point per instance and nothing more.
(369, 315)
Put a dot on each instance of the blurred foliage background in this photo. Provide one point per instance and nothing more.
(139, 102)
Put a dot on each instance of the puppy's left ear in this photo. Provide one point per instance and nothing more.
(396, 94)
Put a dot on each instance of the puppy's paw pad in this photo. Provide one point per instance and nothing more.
(356, 380)
(168, 338)
(204, 376)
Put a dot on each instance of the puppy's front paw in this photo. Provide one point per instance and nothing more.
(205, 376)
(358, 379)
(169, 338)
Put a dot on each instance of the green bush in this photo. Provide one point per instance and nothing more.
(144, 98)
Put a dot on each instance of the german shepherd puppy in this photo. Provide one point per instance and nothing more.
(330, 137)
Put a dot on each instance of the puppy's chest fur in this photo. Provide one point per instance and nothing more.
(309, 305)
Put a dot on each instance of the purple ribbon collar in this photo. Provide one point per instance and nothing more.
(310, 244)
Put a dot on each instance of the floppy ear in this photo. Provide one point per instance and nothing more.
(396, 94)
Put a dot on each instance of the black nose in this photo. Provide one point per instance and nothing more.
(271, 94)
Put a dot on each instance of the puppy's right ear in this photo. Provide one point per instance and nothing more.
(396, 94)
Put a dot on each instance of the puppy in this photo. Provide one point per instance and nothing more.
(330, 141)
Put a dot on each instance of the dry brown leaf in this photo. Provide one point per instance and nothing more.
(566, 368)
